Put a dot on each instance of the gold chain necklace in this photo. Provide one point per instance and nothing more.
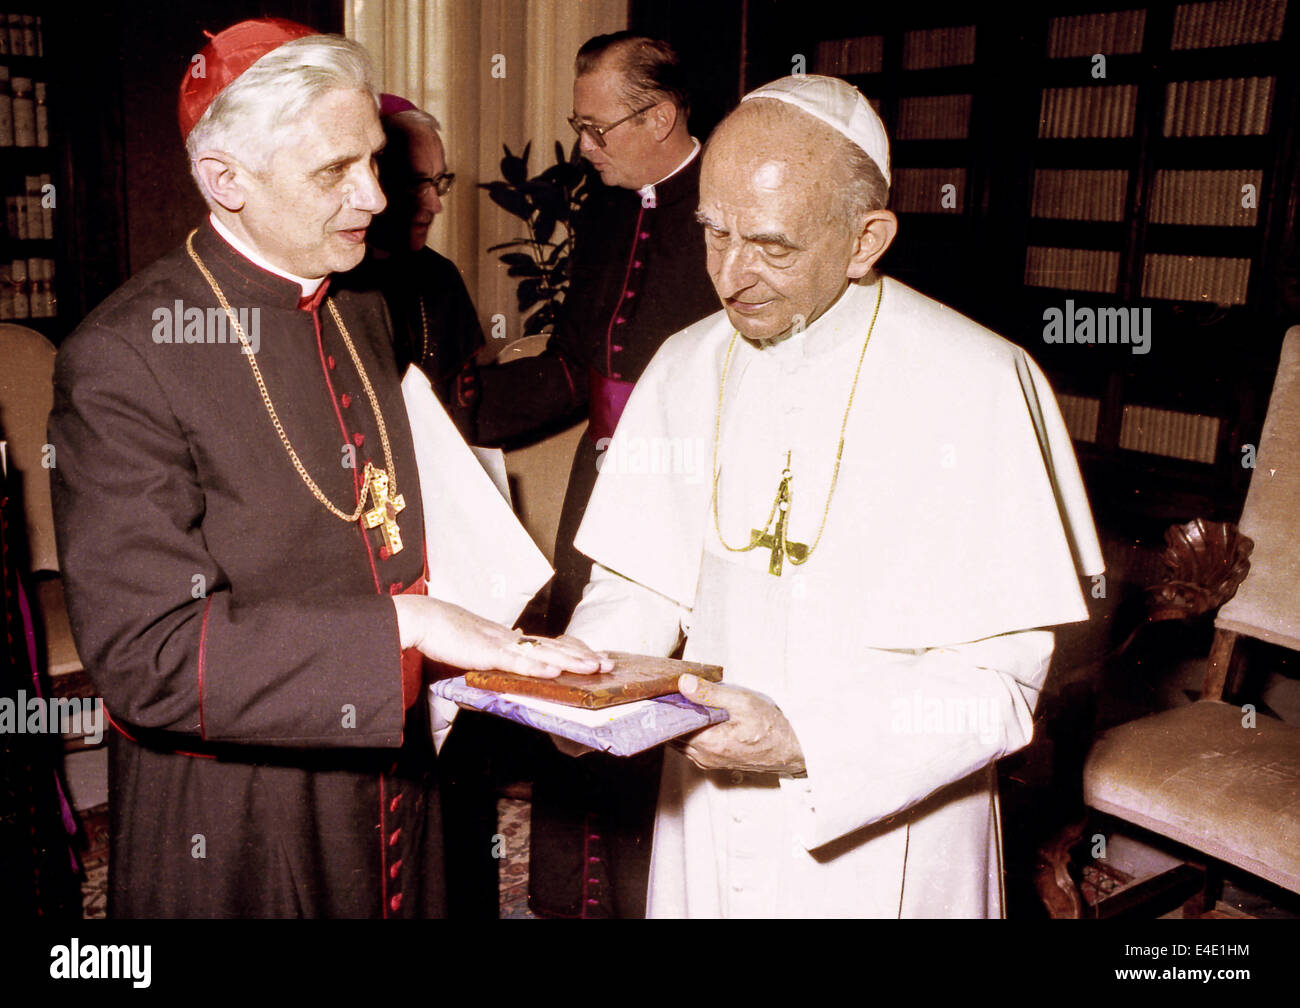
(379, 485)
(776, 540)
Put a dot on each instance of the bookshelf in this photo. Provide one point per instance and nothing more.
(923, 81)
(1182, 149)
(1131, 162)
(29, 175)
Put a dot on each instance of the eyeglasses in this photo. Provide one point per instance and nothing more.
(442, 183)
(598, 132)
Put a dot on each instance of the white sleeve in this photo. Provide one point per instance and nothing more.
(882, 737)
(616, 614)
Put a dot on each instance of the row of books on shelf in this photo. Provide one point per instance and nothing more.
(1173, 433)
(1190, 436)
(926, 49)
(1213, 279)
(1081, 415)
(1092, 111)
(1238, 106)
(1072, 269)
(24, 114)
(1196, 26)
(925, 190)
(27, 289)
(1218, 280)
(934, 117)
(1109, 33)
(1227, 198)
(1227, 22)
(1206, 198)
(1234, 106)
(849, 56)
(21, 35)
(31, 215)
(1079, 194)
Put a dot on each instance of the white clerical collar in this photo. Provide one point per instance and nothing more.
(309, 287)
(844, 321)
(647, 192)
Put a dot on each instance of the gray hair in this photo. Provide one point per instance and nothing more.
(248, 118)
(414, 117)
(865, 188)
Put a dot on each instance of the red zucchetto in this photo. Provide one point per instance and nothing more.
(225, 57)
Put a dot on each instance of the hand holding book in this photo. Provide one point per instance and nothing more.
(632, 707)
(755, 738)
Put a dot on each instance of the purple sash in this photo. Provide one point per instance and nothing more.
(608, 397)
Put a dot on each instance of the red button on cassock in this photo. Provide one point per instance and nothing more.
(394, 868)
(330, 361)
(396, 902)
(394, 837)
(358, 439)
(346, 400)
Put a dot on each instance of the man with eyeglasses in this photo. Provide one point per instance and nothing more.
(638, 276)
(435, 325)
(436, 328)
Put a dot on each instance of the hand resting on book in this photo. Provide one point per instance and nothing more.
(454, 636)
(757, 738)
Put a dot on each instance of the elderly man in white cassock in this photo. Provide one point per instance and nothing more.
(887, 517)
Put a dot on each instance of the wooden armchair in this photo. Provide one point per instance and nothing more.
(1218, 777)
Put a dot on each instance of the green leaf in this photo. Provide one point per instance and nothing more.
(544, 226)
(529, 292)
(510, 200)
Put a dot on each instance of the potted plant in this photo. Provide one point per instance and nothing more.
(547, 204)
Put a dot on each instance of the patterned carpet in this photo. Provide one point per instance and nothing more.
(512, 820)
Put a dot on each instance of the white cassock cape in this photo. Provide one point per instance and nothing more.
(906, 652)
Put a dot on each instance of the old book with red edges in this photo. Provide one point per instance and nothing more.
(633, 677)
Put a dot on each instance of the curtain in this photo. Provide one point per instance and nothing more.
(493, 72)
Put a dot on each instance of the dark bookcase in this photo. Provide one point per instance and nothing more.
(1134, 162)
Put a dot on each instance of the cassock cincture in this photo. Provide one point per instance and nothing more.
(775, 540)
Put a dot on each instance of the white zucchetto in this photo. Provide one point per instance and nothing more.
(838, 104)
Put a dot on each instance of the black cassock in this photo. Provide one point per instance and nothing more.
(241, 635)
(435, 324)
(639, 276)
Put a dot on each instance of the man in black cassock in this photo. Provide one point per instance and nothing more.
(240, 530)
(638, 276)
(436, 328)
(435, 325)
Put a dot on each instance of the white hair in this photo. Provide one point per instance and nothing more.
(248, 118)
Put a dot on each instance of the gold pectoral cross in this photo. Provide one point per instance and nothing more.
(776, 540)
(384, 512)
